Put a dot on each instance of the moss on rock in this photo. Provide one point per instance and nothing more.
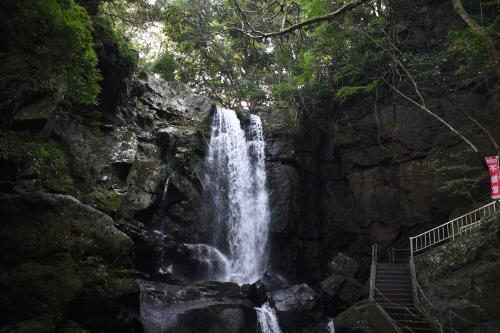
(38, 159)
(54, 253)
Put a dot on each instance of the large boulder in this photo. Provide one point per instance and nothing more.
(61, 259)
(214, 307)
(296, 306)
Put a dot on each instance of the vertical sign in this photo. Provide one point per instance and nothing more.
(492, 163)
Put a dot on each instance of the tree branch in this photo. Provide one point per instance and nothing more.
(297, 26)
(475, 27)
(441, 120)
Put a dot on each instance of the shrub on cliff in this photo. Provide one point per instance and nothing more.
(47, 47)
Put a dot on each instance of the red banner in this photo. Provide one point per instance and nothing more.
(492, 163)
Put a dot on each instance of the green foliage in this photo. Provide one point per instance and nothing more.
(347, 91)
(105, 32)
(465, 179)
(39, 160)
(467, 48)
(164, 65)
(50, 42)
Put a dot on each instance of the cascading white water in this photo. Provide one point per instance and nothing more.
(331, 326)
(215, 264)
(161, 230)
(267, 319)
(236, 199)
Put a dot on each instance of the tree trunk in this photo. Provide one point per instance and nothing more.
(475, 27)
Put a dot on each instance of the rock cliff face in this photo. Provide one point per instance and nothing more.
(65, 262)
(461, 280)
(376, 169)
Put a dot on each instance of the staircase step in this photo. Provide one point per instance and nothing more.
(399, 265)
(404, 305)
(392, 271)
(397, 309)
(392, 266)
(397, 300)
(413, 323)
(388, 282)
(391, 286)
(417, 330)
(404, 316)
(392, 279)
(394, 292)
(392, 276)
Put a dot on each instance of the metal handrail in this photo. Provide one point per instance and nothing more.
(396, 306)
(373, 271)
(416, 299)
(418, 293)
(384, 313)
(456, 227)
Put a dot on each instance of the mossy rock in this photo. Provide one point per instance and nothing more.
(54, 250)
(31, 289)
(39, 159)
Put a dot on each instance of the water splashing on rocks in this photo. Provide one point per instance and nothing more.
(267, 319)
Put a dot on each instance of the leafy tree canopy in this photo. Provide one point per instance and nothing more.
(263, 51)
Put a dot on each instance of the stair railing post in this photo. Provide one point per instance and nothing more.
(373, 272)
(411, 248)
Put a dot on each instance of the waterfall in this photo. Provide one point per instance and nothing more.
(161, 230)
(236, 200)
(267, 319)
(331, 326)
(161, 208)
(214, 264)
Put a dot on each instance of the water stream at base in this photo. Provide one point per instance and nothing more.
(331, 326)
(267, 319)
(236, 199)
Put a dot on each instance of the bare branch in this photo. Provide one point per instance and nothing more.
(441, 120)
(484, 129)
(260, 35)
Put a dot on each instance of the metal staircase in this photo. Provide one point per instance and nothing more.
(392, 291)
(394, 287)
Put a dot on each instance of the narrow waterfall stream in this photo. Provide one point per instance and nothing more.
(267, 319)
(236, 199)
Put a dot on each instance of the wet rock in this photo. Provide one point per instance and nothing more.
(257, 293)
(338, 292)
(171, 99)
(283, 183)
(295, 306)
(331, 285)
(281, 149)
(274, 281)
(343, 265)
(351, 291)
(207, 306)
